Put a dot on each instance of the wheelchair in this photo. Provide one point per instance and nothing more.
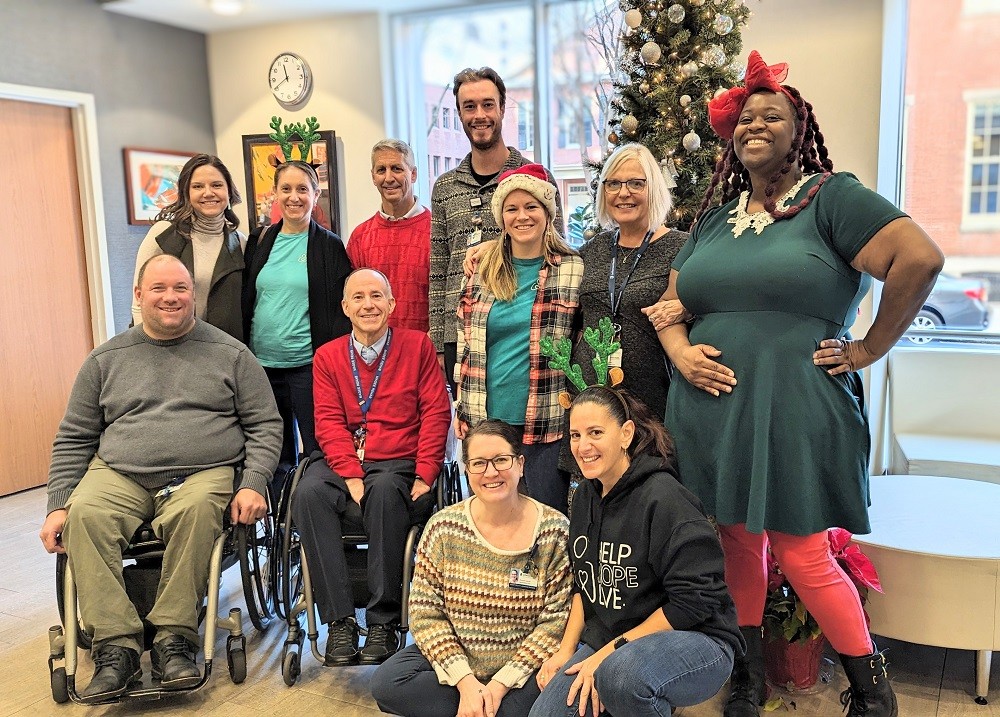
(248, 545)
(293, 589)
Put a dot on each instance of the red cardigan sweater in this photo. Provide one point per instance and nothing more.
(409, 416)
(402, 251)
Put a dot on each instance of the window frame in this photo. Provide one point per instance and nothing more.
(985, 220)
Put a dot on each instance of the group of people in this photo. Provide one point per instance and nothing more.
(738, 397)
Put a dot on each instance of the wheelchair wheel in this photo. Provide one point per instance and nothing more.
(285, 571)
(254, 548)
(83, 640)
(60, 687)
(290, 668)
(237, 660)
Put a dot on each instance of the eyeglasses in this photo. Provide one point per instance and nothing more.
(613, 186)
(501, 463)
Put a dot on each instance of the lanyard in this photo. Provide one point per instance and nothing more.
(613, 291)
(364, 403)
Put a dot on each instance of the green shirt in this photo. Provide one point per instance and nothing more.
(279, 333)
(508, 328)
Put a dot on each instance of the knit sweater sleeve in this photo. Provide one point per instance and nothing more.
(440, 254)
(262, 425)
(78, 436)
(433, 632)
(147, 250)
(543, 641)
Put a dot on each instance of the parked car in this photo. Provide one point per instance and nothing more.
(955, 303)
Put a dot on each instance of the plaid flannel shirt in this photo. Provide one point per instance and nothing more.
(552, 315)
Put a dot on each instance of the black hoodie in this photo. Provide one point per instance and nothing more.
(648, 545)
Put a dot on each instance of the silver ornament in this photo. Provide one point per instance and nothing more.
(675, 13)
(630, 125)
(714, 56)
(723, 24)
(650, 53)
(720, 91)
(685, 100)
(689, 68)
(738, 69)
(633, 18)
(691, 141)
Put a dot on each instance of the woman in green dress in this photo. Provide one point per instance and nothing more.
(770, 423)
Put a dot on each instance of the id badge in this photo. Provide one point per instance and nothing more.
(615, 359)
(474, 238)
(359, 443)
(521, 580)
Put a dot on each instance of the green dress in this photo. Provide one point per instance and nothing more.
(788, 449)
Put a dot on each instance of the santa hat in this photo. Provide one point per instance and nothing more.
(533, 179)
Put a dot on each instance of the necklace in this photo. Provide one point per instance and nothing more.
(759, 221)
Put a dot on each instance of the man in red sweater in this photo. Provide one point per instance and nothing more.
(397, 240)
(382, 417)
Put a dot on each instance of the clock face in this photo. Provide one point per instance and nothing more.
(289, 79)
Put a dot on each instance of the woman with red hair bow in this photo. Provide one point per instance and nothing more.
(774, 275)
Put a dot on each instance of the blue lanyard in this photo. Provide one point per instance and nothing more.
(613, 291)
(363, 403)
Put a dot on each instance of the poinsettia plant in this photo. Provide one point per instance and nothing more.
(785, 613)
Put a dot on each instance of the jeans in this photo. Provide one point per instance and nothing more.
(407, 685)
(646, 677)
(293, 393)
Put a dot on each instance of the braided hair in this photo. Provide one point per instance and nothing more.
(808, 153)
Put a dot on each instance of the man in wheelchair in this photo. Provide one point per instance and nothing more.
(157, 420)
(382, 418)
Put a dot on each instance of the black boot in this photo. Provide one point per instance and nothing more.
(746, 685)
(870, 693)
(174, 666)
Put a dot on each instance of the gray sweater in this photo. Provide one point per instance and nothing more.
(159, 410)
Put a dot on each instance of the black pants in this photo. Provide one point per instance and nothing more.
(293, 392)
(450, 359)
(543, 479)
(407, 685)
(323, 511)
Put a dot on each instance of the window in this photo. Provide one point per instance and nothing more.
(525, 126)
(445, 117)
(574, 56)
(437, 167)
(984, 161)
(951, 168)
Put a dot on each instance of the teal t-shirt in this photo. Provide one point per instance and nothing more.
(508, 330)
(280, 336)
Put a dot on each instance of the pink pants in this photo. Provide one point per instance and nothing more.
(827, 592)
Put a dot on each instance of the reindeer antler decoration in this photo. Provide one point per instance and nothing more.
(559, 359)
(305, 131)
(602, 340)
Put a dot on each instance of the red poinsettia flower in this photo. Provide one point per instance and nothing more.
(856, 564)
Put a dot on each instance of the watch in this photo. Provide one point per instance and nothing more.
(290, 79)
(621, 641)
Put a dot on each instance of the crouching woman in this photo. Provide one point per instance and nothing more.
(652, 625)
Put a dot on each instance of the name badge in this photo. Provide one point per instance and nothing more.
(475, 238)
(476, 202)
(521, 580)
(615, 359)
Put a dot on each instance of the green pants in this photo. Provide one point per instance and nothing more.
(105, 510)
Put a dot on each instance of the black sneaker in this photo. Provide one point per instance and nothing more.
(342, 643)
(383, 640)
(174, 665)
(117, 668)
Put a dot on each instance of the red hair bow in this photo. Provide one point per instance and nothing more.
(724, 110)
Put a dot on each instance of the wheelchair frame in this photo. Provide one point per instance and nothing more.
(249, 545)
(294, 594)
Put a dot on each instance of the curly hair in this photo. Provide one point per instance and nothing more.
(808, 153)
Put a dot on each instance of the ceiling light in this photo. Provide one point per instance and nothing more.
(226, 7)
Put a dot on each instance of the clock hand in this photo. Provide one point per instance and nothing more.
(285, 68)
(282, 82)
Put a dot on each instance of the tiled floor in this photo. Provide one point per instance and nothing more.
(929, 682)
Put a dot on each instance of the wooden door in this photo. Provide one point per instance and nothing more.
(45, 320)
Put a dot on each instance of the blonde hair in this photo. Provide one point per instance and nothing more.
(657, 192)
(496, 267)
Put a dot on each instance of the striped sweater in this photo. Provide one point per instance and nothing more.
(465, 617)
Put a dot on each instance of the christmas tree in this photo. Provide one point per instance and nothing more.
(675, 56)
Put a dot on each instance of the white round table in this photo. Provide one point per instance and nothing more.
(935, 542)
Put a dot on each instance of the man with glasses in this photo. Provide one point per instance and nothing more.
(382, 417)
(461, 218)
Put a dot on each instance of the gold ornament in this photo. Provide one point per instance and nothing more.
(630, 125)
(644, 87)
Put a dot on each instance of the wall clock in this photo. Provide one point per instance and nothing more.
(290, 80)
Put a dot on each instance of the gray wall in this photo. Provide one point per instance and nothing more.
(150, 84)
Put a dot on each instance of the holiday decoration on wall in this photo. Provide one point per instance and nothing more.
(676, 54)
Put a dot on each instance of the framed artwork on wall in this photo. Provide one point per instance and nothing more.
(261, 155)
(151, 181)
